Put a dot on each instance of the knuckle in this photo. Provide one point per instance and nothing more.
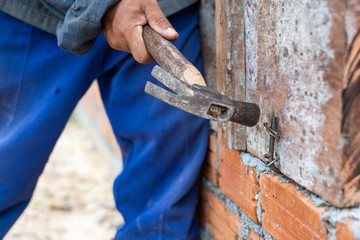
(142, 58)
(114, 38)
(160, 20)
(112, 43)
(117, 45)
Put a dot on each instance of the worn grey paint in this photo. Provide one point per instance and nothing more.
(289, 53)
(288, 56)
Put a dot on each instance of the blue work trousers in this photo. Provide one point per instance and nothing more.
(162, 147)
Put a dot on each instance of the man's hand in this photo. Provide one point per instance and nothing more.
(123, 26)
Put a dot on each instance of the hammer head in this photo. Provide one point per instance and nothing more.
(201, 101)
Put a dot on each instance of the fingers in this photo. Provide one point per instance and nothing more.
(159, 22)
(113, 30)
(123, 26)
(117, 41)
(137, 46)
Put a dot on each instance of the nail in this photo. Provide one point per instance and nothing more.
(171, 32)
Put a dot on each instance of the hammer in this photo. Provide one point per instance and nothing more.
(189, 90)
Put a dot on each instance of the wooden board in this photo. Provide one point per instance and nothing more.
(208, 41)
(352, 19)
(351, 124)
(230, 65)
(351, 114)
(295, 64)
(289, 57)
(208, 44)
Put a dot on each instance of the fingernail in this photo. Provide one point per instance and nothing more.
(171, 31)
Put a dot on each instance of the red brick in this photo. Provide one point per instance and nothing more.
(344, 231)
(239, 191)
(223, 223)
(222, 210)
(203, 192)
(220, 225)
(238, 182)
(217, 226)
(202, 207)
(211, 159)
(232, 159)
(212, 143)
(278, 232)
(228, 154)
(287, 213)
(216, 234)
(210, 173)
(202, 211)
(254, 236)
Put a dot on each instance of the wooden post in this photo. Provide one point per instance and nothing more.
(230, 65)
(289, 58)
(351, 125)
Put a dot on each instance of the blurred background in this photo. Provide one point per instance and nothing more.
(73, 199)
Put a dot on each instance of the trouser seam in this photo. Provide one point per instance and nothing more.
(22, 78)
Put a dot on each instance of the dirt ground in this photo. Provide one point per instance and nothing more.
(73, 199)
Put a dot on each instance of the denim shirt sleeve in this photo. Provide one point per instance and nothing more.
(80, 22)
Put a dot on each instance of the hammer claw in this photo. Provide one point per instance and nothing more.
(182, 103)
(180, 87)
(159, 92)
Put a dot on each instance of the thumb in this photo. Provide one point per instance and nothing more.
(159, 22)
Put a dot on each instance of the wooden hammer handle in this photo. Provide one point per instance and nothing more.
(170, 59)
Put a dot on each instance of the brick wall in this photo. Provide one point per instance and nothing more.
(241, 198)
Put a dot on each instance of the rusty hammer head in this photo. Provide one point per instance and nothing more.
(202, 101)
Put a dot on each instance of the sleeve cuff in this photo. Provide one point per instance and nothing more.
(81, 25)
